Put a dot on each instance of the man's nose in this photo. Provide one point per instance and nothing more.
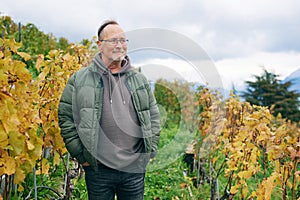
(119, 44)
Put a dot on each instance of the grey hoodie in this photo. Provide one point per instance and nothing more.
(120, 141)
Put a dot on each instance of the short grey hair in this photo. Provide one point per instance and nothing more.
(104, 24)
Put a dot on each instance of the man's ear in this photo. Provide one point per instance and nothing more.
(99, 45)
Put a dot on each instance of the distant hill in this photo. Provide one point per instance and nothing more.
(295, 79)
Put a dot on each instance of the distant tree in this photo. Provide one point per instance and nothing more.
(178, 103)
(8, 27)
(165, 93)
(233, 89)
(63, 43)
(34, 41)
(268, 90)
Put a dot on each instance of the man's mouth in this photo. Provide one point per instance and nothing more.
(118, 52)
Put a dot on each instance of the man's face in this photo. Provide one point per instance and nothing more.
(113, 44)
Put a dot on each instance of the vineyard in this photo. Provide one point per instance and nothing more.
(240, 151)
(29, 132)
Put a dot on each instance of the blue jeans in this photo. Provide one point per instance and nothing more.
(106, 182)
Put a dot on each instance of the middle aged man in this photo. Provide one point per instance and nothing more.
(109, 120)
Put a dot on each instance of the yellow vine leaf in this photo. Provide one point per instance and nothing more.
(39, 62)
(269, 185)
(9, 165)
(214, 160)
(235, 189)
(24, 55)
(30, 146)
(19, 176)
(3, 80)
(56, 159)
(38, 150)
(13, 45)
(16, 141)
(20, 188)
(245, 174)
(3, 138)
(244, 191)
(254, 193)
(18, 68)
(8, 116)
(43, 74)
(53, 53)
(2, 169)
(45, 166)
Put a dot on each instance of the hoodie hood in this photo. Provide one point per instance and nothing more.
(102, 69)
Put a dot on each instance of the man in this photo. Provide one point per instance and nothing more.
(109, 120)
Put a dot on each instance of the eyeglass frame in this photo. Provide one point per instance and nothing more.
(115, 41)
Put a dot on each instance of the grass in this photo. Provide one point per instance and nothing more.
(164, 178)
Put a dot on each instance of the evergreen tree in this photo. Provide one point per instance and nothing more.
(268, 90)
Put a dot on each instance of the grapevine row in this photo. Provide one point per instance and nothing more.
(28, 117)
(257, 153)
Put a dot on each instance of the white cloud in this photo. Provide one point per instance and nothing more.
(236, 28)
(241, 36)
(229, 72)
(69, 19)
(251, 10)
(171, 69)
(238, 70)
(223, 28)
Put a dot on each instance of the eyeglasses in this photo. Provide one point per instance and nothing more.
(116, 41)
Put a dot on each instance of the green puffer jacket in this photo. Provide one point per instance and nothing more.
(80, 111)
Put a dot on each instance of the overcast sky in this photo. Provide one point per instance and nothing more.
(239, 36)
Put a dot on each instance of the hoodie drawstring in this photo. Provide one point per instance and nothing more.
(110, 89)
(121, 89)
(102, 69)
